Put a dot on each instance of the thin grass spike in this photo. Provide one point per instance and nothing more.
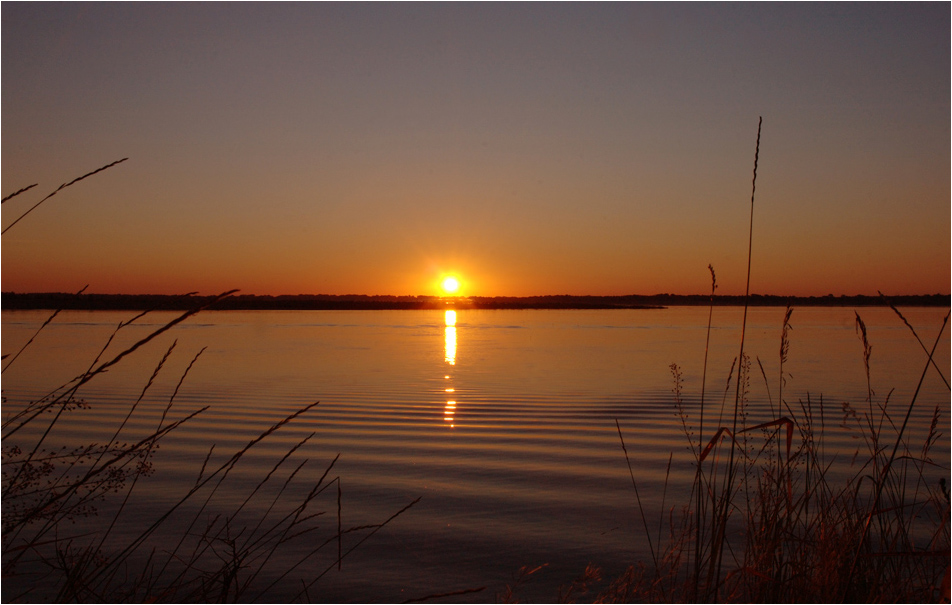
(919, 340)
(16, 193)
(37, 333)
(741, 377)
(58, 189)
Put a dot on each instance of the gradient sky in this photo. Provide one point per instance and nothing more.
(529, 148)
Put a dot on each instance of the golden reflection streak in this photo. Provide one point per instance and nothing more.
(449, 356)
(449, 345)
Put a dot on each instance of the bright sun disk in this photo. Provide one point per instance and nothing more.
(450, 284)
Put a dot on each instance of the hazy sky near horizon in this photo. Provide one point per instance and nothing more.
(527, 148)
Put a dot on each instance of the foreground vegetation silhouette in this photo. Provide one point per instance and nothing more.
(203, 547)
(771, 518)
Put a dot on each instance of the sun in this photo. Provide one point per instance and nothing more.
(450, 285)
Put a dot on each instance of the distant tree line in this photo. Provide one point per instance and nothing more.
(142, 302)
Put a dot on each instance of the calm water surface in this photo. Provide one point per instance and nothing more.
(502, 422)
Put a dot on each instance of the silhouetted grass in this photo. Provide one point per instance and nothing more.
(771, 518)
(202, 547)
(791, 528)
(767, 521)
(55, 191)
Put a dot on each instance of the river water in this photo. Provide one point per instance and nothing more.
(502, 423)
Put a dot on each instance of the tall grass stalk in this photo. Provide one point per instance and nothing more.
(774, 519)
(724, 504)
(699, 471)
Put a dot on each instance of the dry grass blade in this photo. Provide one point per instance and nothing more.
(355, 546)
(780, 421)
(58, 189)
(641, 509)
(860, 327)
(16, 193)
(715, 440)
(914, 333)
(106, 365)
(37, 333)
(442, 595)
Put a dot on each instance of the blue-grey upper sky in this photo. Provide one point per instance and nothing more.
(529, 148)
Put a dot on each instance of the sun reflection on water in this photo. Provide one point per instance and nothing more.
(449, 356)
(449, 347)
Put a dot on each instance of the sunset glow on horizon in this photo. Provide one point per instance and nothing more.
(521, 150)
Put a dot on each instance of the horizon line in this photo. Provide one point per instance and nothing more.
(237, 292)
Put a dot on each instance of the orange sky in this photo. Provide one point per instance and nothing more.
(528, 149)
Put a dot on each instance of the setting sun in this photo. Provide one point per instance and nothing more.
(450, 285)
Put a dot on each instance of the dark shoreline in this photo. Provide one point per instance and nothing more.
(305, 302)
